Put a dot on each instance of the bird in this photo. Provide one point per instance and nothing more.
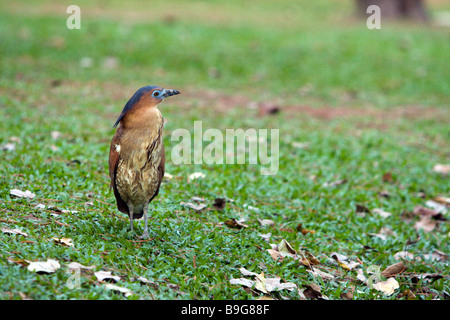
(136, 155)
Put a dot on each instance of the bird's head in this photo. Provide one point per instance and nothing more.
(143, 104)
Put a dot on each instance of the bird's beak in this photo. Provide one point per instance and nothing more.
(170, 92)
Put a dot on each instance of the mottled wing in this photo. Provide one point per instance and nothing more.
(114, 158)
(161, 168)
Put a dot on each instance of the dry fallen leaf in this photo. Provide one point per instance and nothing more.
(237, 224)
(46, 267)
(319, 273)
(442, 168)
(196, 207)
(267, 285)
(243, 281)
(196, 175)
(275, 284)
(381, 212)
(8, 146)
(245, 272)
(405, 255)
(307, 259)
(426, 223)
(442, 200)
(106, 276)
(14, 231)
(19, 261)
(393, 270)
(312, 291)
(266, 236)
(436, 256)
(168, 176)
(422, 211)
(64, 241)
(126, 292)
(387, 287)
(286, 249)
(266, 222)
(55, 135)
(22, 194)
(343, 261)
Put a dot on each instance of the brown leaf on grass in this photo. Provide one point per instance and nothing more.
(319, 273)
(343, 261)
(381, 213)
(8, 146)
(422, 211)
(126, 292)
(393, 270)
(44, 267)
(150, 283)
(442, 168)
(243, 282)
(266, 236)
(196, 175)
(106, 276)
(19, 261)
(404, 255)
(346, 295)
(14, 231)
(194, 206)
(284, 249)
(388, 287)
(427, 277)
(275, 254)
(236, 224)
(426, 223)
(442, 200)
(168, 176)
(307, 259)
(267, 285)
(312, 291)
(266, 222)
(64, 241)
(245, 272)
(436, 256)
(275, 284)
(56, 135)
(22, 194)
(23, 296)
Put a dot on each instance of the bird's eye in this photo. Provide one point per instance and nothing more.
(156, 93)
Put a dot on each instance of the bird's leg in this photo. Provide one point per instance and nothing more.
(145, 235)
(131, 210)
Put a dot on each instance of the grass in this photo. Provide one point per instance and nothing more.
(389, 88)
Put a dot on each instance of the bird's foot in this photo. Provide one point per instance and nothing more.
(145, 235)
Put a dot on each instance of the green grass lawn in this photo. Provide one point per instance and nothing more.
(364, 118)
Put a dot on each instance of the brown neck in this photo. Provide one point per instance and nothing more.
(142, 117)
